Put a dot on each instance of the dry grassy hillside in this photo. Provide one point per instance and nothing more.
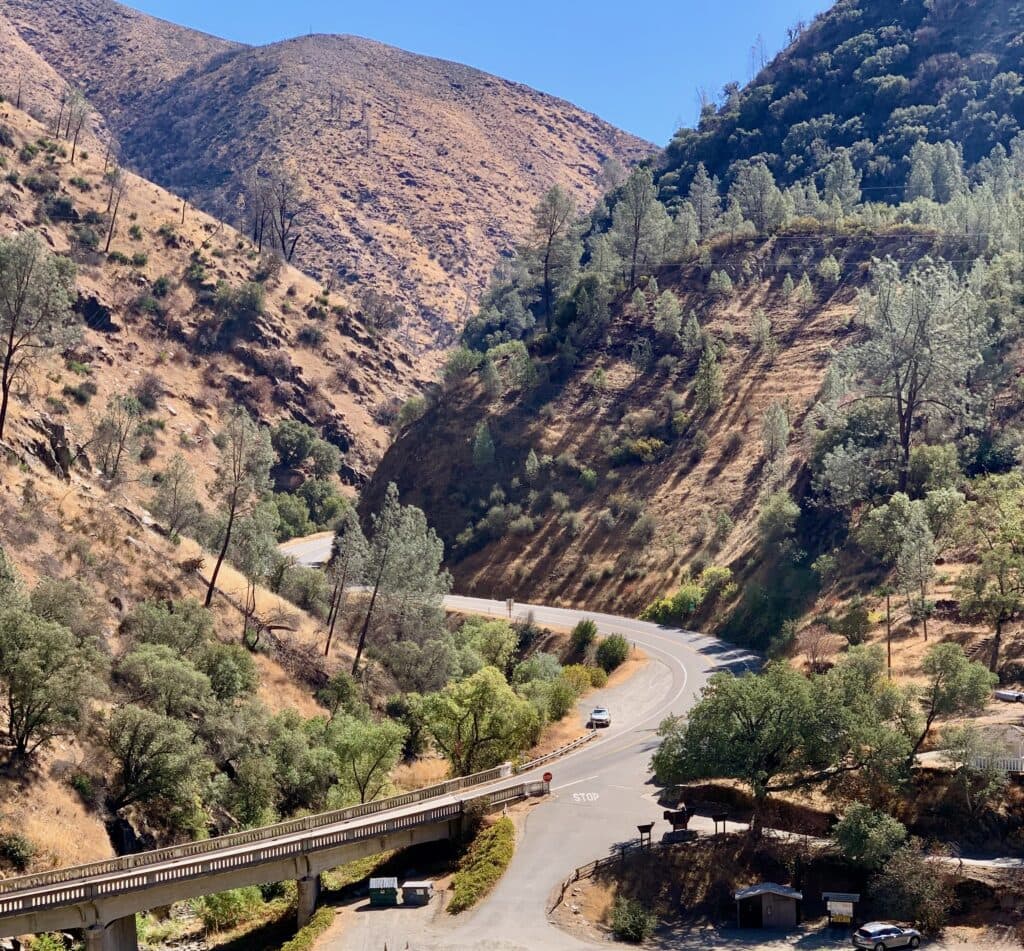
(624, 533)
(342, 381)
(417, 172)
(28, 76)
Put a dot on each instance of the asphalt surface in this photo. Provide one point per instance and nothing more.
(599, 793)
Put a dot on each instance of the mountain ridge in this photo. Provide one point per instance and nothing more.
(418, 173)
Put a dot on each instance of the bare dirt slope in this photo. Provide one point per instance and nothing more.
(418, 172)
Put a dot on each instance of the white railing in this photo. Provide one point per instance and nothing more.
(1004, 764)
(306, 824)
(85, 883)
(556, 754)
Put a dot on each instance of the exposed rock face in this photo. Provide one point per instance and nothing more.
(96, 314)
(55, 447)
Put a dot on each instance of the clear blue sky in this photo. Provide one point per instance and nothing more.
(638, 65)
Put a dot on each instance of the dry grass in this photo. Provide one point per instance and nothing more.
(49, 813)
(420, 773)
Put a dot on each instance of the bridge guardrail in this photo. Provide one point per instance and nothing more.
(62, 893)
(127, 863)
(556, 754)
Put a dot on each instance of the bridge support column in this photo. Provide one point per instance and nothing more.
(309, 894)
(119, 935)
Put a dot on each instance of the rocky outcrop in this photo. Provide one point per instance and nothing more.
(55, 446)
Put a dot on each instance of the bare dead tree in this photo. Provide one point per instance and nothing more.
(118, 189)
(78, 113)
(286, 206)
(255, 208)
(60, 115)
(367, 125)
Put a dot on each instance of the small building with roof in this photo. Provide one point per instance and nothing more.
(767, 905)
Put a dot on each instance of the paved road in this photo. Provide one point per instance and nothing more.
(599, 795)
(312, 551)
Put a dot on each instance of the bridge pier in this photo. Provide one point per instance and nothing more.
(309, 894)
(119, 935)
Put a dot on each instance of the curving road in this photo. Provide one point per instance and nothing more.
(599, 793)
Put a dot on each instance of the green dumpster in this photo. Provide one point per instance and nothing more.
(383, 892)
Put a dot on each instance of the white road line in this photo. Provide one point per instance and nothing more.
(575, 782)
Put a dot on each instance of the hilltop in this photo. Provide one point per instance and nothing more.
(671, 406)
(872, 78)
(415, 174)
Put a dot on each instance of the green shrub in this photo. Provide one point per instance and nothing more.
(678, 607)
(645, 450)
(583, 635)
(482, 865)
(612, 652)
(81, 393)
(229, 909)
(869, 838)
(47, 942)
(311, 336)
(306, 937)
(631, 921)
(16, 850)
(855, 624)
(562, 696)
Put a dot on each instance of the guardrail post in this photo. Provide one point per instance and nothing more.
(119, 935)
(309, 894)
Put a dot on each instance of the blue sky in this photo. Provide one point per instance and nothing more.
(638, 66)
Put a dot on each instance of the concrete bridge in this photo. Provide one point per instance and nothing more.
(102, 898)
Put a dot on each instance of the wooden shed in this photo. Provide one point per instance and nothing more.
(768, 905)
(417, 893)
(383, 892)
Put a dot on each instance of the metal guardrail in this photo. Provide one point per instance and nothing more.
(555, 754)
(67, 891)
(126, 863)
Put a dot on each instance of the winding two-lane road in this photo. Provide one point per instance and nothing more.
(599, 793)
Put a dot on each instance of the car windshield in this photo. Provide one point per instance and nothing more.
(600, 710)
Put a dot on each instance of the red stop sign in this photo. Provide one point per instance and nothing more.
(547, 777)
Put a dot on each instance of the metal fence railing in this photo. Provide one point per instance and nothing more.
(139, 860)
(1004, 764)
(555, 754)
(29, 894)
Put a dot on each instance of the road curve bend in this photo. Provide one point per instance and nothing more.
(599, 794)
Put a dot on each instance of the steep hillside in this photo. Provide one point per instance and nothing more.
(873, 77)
(30, 82)
(150, 308)
(633, 486)
(414, 174)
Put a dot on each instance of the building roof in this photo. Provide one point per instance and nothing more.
(417, 885)
(769, 888)
(376, 883)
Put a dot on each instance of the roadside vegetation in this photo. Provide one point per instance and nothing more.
(483, 865)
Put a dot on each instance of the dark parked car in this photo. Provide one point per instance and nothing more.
(881, 935)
